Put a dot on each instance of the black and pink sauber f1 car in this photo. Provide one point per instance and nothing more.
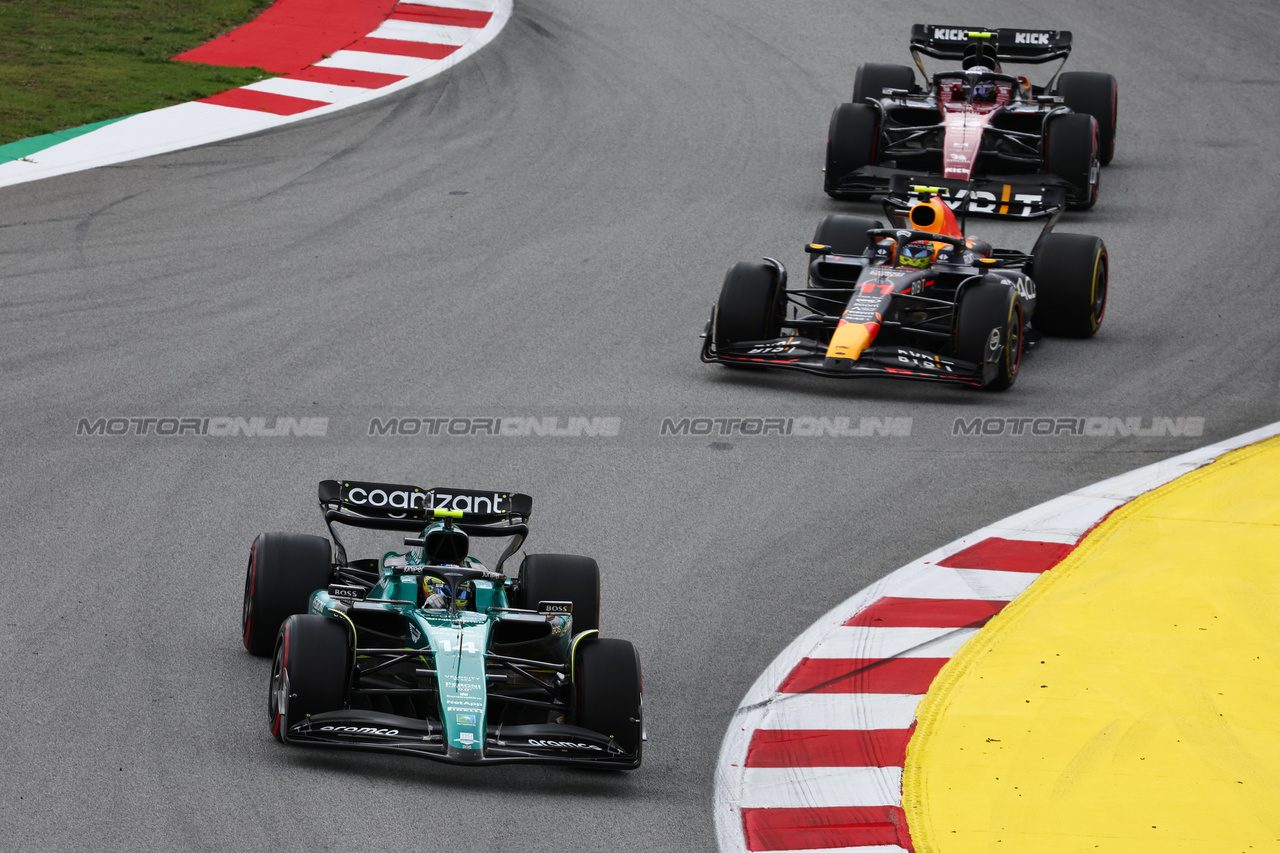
(919, 300)
(976, 129)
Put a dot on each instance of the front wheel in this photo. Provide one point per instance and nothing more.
(1071, 273)
(310, 673)
(608, 691)
(989, 332)
(750, 306)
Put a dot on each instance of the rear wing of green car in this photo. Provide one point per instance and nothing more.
(391, 506)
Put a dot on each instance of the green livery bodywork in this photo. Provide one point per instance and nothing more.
(448, 659)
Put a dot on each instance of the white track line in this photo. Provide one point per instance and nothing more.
(188, 125)
(1063, 521)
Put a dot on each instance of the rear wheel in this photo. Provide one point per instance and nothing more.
(872, 78)
(989, 327)
(750, 306)
(846, 235)
(608, 691)
(1098, 95)
(851, 142)
(1070, 272)
(1071, 152)
(563, 577)
(311, 671)
(284, 569)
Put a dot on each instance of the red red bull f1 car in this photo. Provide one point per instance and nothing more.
(919, 300)
(992, 137)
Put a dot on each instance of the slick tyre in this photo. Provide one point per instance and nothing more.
(1071, 153)
(846, 235)
(563, 577)
(311, 671)
(852, 139)
(284, 569)
(872, 78)
(608, 691)
(751, 304)
(989, 329)
(1098, 95)
(1071, 273)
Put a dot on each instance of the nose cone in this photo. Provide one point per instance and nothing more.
(849, 341)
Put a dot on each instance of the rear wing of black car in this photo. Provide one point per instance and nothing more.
(1010, 45)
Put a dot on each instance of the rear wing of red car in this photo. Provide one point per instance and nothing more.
(1010, 45)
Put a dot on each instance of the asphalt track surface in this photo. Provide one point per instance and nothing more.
(615, 159)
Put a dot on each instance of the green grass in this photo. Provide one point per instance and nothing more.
(65, 64)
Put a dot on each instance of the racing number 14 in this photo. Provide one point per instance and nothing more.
(449, 646)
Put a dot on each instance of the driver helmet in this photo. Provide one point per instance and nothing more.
(979, 55)
(985, 92)
(918, 254)
(435, 592)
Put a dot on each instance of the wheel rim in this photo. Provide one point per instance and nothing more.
(246, 614)
(277, 681)
(1100, 290)
(1013, 355)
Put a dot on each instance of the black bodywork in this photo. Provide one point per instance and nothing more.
(1009, 176)
(916, 309)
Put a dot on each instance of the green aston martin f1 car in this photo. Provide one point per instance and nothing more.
(425, 651)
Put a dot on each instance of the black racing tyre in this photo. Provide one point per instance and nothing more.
(1070, 272)
(608, 688)
(311, 672)
(1098, 95)
(846, 235)
(284, 569)
(852, 140)
(872, 78)
(751, 304)
(989, 318)
(1071, 152)
(563, 577)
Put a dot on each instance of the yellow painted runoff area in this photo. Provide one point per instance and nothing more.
(1130, 699)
